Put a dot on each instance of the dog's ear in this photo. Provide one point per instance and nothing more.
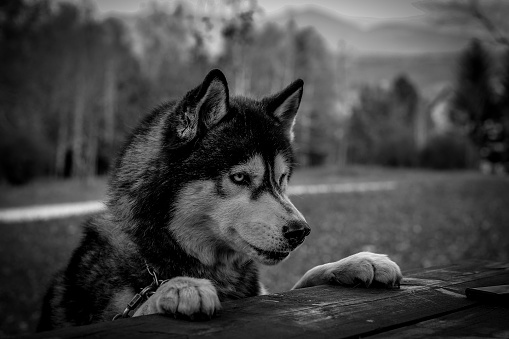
(284, 105)
(212, 99)
(201, 109)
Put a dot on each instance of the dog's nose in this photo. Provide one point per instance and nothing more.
(295, 232)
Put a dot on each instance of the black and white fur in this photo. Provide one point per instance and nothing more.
(198, 193)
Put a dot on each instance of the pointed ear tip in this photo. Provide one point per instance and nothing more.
(216, 73)
(297, 86)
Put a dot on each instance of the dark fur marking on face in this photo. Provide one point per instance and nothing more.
(271, 186)
(219, 188)
(258, 191)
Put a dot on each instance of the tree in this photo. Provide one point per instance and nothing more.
(383, 128)
(404, 99)
(239, 33)
(369, 124)
(504, 110)
(407, 106)
(24, 146)
(475, 106)
(315, 129)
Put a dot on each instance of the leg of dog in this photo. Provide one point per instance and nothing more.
(363, 267)
(183, 296)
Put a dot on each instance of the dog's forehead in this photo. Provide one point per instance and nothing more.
(253, 166)
(256, 165)
(251, 122)
(252, 114)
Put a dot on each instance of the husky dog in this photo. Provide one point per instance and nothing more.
(197, 195)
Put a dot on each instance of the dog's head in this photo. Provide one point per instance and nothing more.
(227, 161)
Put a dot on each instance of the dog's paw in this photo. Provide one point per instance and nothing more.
(366, 268)
(182, 296)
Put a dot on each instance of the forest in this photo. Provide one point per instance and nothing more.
(74, 83)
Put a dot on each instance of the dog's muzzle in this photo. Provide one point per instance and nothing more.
(295, 232)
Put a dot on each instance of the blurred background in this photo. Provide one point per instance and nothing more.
(413, 95)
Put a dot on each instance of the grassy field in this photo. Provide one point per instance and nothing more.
(431, 218)
(52, 191)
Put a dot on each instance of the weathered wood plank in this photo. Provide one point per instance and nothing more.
(485, 321)
(319, 311)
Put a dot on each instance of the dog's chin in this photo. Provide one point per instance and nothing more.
(267, 257)
(263, 256)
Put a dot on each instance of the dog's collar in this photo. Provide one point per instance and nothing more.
(153, 273)
(144, 294)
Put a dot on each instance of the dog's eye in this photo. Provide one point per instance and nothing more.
(240, 178)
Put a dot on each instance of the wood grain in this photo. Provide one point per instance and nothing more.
(484, 321)
(323, 311)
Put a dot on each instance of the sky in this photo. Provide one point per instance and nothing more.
(375, 10)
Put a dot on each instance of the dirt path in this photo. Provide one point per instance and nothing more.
(46, 212)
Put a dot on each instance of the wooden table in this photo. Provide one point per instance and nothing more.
(430, 303)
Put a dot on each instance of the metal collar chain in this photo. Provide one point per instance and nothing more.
(144, 294)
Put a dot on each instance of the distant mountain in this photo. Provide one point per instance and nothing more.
(430, 72)
(398, 37)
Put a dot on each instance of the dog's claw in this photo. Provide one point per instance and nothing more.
(394, 286)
